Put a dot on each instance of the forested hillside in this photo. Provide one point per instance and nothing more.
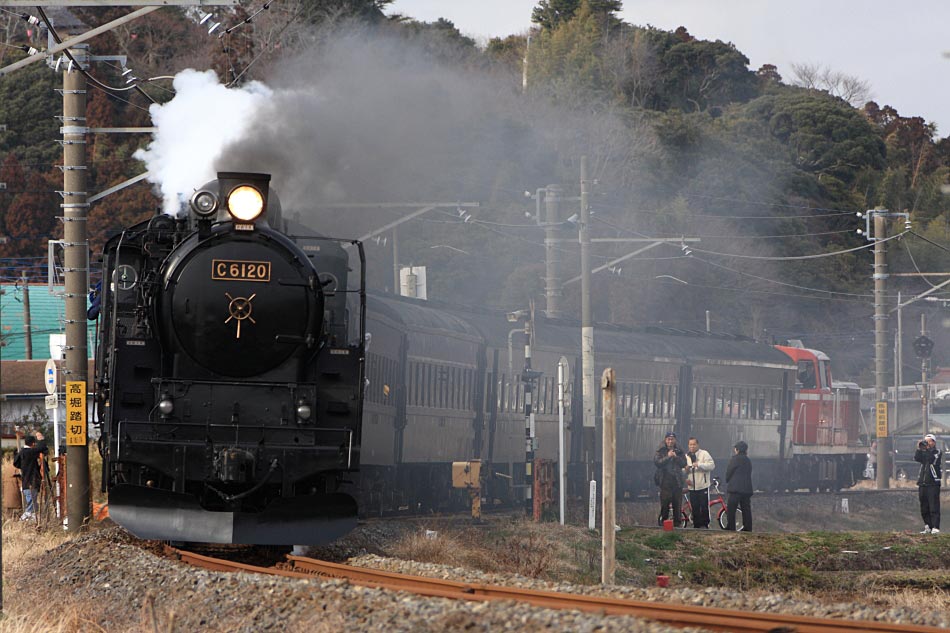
(683, 137)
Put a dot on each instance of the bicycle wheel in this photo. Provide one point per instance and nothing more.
(724, 519)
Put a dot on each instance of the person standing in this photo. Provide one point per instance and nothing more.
(669, 461)
(698, 466)
(928, 483)
(739, 481)
(31, 474)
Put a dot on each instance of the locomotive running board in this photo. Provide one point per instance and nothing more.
(154, 514)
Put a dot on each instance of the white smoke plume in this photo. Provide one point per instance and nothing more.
(193, 129)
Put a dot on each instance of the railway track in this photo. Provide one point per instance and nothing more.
(672, 614)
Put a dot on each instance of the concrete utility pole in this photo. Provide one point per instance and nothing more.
(27, 323)
(76, 269)
(608, 553)
(880, 344)
(529, 428)
(898, 364)
(552, 253)
(924, 385)
(396, 289)
(587, 329)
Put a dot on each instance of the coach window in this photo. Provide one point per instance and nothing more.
(452, 388)
(445, 380)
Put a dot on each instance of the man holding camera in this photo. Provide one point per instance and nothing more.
(669, 461)
(928, 483)
(699, 463)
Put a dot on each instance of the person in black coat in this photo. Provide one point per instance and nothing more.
(739, 481)
(670, 461)
(928, 483)
(30, 471)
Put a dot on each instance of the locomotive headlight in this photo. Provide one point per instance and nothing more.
(303, 410)
(204, 203)
(245, 203)
(166, 405)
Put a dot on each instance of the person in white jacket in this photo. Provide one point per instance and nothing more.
(699, 464)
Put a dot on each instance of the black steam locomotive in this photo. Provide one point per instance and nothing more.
(229, 373)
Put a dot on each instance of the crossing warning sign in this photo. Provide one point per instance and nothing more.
(76, 413)
(881, 418)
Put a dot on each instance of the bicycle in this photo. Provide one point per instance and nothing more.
(715, 499)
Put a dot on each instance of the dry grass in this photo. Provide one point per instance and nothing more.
(27, 609)
(547, 551)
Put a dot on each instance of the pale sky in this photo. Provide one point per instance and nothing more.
(897, 48)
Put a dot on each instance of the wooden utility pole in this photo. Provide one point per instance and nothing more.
(76, 255)
(27, 323)
(608, 554)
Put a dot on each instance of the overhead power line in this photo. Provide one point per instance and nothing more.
(800, 257)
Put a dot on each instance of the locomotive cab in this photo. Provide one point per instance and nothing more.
(232, 416)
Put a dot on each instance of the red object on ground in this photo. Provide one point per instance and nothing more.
(662, 581)
(668, 525)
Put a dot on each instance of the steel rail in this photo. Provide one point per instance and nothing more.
(681, 615)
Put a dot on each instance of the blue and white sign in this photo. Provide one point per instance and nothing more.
(50, 376)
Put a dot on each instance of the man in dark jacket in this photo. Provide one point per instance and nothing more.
(739, 480)
(31, 476)
(928, 483)
(670, 461)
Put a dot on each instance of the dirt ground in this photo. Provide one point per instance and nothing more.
(858, 509)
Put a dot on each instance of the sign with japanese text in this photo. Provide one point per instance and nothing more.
(881, 419)
(75, 413)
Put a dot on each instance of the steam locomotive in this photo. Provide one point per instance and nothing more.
(230, 373)
(244, 376)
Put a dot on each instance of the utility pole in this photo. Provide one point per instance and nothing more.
(27, 324)
(528, 378)
(552, 254)
(587, 328)
(608, 553)
(880, 343)
(76, 268)
(924, 385)
(396, 289)
(898, 364)
(524, 66)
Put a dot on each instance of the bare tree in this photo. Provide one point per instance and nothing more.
(854, 90)
(630, 64)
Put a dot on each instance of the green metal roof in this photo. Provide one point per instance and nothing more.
(47, 312)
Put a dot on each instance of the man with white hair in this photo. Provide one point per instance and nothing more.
(928, 483)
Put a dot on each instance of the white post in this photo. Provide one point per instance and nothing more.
(56, 432)
(561, 464)
(592, 510)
